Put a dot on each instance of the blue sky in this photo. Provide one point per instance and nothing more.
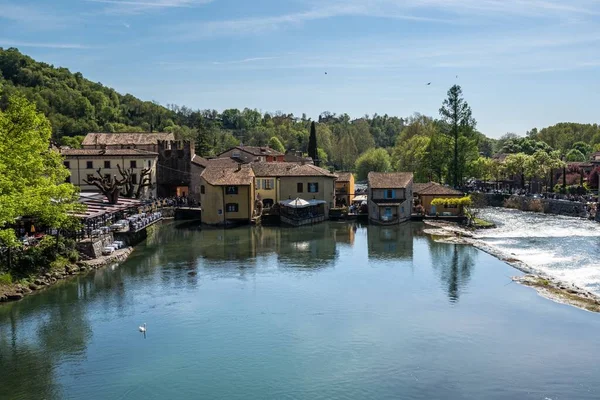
(521, 63)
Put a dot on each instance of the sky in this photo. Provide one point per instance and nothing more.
(521, 63)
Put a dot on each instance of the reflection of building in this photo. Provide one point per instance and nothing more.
(425, 193)
(390, 242)
(248, 154)
(84, 163)
(390, 197)
(344, 189)
(344, 233)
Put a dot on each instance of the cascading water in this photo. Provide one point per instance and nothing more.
(562, 247)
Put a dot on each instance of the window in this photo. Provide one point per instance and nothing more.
(149, 163)
(89, 164)
(300, 187)
(231, 189)
(67, 164)
(232, 207)
(134, 179)
(106, 164)
(236, 154)
(90, 177)
(133, 164)
(268, 184)
(389, 194)
(313, 187)
(202, 189)
(107, 177)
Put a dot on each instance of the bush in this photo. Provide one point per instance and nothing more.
(5, 279)
(59, 264)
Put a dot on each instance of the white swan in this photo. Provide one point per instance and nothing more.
(142, 328)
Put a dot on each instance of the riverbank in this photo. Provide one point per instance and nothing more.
(547, 286)
(19, 290)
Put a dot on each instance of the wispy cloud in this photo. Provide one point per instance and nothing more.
(17, 43)
(141, 6)
(33, 17)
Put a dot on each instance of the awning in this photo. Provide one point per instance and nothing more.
(388, 204)
(316, 202)
(361, 198)
(296, 203)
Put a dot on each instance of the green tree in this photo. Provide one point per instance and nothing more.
(584, 148)
(411, 156)
(312, 143)
(377, 160)
(517, 165)
(576, 156)
(276, 144)
(32, 177)
(458, 118)
(482, 168)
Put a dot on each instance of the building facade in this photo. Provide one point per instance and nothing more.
(425, 193)
(344, 189)
(85, 163)
(390, 197)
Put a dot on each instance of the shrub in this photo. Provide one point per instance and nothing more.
(59, 264)
(5, 279)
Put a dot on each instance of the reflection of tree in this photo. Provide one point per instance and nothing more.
(454, 263)
(390, 242)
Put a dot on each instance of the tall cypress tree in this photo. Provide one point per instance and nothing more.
(312, 144)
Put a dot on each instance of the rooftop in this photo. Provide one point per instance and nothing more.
(120, 139)
(276, 169)
(221, 162)
(432, 188)
(258, 151)
(221, 176)
(108, 152)
(344, 176)
(389, 180)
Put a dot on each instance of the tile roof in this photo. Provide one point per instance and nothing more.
(107, 152)
(289, 157)
(220, 176)
(385, 180)
(258, 151)
(118, 139)
(435, 189)
(288, 169)
(221, 162)
(343, 176)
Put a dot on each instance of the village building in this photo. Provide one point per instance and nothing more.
(344, 189)
(248, 154)
(425, 193)
(139, 140)
(276, 182)
(226, 194)
(389, 197)
(85, 163)
(173, 169)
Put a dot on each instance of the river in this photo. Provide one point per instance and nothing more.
(563, 247)
(331, 311)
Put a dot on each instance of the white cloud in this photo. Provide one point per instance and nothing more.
(141, 6)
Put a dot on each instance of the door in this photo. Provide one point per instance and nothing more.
(387, 214)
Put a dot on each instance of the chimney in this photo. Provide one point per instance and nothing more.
(239, 168)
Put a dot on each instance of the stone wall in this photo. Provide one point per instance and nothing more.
(92, 247)
(549, 206)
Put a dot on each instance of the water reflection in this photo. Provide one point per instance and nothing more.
(454, 264)
(46, 330)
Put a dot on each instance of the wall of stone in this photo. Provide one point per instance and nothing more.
(92, 248)
(548, 206)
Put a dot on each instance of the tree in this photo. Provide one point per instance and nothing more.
(457, 116)
(130, 186)
(276, 144)
(377, 160)
(584, 148)
(109, 187)
(312, 143)
(411, 156)
(574, 155)
(32, 177)
(516, 164)
(482, 168)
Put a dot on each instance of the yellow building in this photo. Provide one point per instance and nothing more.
(226, 194)
(344, 189)
(277, 181)
(84, 163)
(390, 197)
(425, 193)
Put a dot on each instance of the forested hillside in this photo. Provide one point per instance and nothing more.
(76, 106)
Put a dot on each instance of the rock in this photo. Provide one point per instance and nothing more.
(48, 275)
(3, 298)
(33, 286)
(52, 280)
(14, 296)
(83, 268)
(26, 290)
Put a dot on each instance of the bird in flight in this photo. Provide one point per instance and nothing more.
(429, 84)
(325, 73)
